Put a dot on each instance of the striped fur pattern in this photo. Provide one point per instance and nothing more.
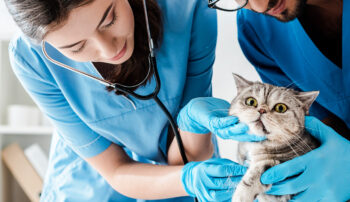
(284, 130)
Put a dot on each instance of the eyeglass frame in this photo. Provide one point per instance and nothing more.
(212, 4)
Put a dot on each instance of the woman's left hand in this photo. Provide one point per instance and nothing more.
(207, 114)
(212, 180)
(323, 173)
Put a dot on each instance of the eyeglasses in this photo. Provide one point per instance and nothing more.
(227, 5)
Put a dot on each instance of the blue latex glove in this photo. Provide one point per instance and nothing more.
(207, 114)
(212, 180)
(324, 172)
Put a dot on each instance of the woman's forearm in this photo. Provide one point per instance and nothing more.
(198, 147)
(148, 181)
(137, 180)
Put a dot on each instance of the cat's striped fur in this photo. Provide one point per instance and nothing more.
(285, 133)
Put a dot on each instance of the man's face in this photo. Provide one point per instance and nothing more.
(283, 10)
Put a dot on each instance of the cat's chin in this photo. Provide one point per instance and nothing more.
(258, 128)
(257, 131)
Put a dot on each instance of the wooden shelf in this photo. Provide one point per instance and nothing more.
(35, 130)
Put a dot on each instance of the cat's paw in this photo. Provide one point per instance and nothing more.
(242, 197)
(271, 198)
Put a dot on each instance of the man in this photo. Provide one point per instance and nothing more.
(304, 44)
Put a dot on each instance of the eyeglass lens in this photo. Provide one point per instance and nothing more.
(229, 4)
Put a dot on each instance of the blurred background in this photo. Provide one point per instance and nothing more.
(25, 133)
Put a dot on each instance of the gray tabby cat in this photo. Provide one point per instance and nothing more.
(278, 114)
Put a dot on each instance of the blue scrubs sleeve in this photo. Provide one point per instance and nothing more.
(268, 69)
(201, 54)
(43, 90)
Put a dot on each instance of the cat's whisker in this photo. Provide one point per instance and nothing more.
(290, 145)
(285, 136)
(302, 141)
(298, 125)
(286, 133)
(300, 147)
(301, 144)
(272, 122)
(283, 130)
(294, 82)
(289, 85)
(297, 145)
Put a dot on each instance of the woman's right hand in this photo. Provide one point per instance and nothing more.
(213, 179)
(208, 114)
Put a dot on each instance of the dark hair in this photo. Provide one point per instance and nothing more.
(37, 17)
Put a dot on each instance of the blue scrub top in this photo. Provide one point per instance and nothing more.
(284, 55)
(88, 119)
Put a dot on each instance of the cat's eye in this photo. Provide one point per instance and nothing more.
(251, 102)
(280, 108)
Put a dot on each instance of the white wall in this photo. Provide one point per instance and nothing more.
(229, 59)
(7, 26)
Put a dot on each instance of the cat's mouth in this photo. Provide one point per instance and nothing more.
(259, 123)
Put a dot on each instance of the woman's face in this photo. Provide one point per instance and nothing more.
(101, 31)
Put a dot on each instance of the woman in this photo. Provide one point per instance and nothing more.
(111, 147)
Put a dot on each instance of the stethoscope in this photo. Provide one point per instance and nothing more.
(127, 89)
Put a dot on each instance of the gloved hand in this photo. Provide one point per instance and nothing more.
(324, 172)
(212, 180)
(207, 114)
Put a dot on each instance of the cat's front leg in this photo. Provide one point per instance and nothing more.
(272, 198)
(250, 186)
(242, 153)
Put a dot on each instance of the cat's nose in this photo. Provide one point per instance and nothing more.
(262, 111)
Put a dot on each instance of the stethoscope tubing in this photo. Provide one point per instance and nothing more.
(127, 89)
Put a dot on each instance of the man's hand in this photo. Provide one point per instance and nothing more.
(323, 174)
(212, 180)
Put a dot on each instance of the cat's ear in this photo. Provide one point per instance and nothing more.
(307, 98)
(241, 82)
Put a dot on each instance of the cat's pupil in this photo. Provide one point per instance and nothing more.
(251, 102)
(280, 108)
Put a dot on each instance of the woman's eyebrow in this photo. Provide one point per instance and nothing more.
(104, 15)
(99, 24)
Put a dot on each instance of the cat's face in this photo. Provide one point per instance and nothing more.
(271, 111)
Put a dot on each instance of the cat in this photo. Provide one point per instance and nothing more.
(277, 113)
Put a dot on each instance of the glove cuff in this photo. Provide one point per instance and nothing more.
(185, 123)
(186, 178)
